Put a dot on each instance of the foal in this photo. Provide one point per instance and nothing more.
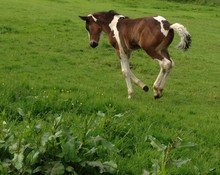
(152, 34)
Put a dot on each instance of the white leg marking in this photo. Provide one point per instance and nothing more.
(160, 19)
(137, 81)
(127, 74)
(165, 67)
(159, 78)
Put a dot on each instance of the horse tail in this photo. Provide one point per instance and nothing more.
(185, 37)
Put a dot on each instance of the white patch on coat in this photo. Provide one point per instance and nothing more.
(160, 19)
(124, 58)
(113, 27)
(95, 19)
(165, 64)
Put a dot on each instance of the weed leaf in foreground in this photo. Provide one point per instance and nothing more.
(156, 144)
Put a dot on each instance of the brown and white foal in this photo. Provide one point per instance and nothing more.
(153, 34)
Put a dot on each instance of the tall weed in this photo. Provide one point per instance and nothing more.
(55, 151)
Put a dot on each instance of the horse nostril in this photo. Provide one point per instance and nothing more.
(93, 44)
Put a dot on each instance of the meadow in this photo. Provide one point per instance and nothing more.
(64, 106)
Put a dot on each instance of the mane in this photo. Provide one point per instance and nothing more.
(104, 15)
(113, 12)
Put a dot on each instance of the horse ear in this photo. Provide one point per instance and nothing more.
(84, 18)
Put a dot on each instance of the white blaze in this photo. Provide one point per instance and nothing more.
(160, 19)
(92, 17)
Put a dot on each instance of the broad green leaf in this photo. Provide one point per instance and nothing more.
(96, 164)
(70, 151)
(101, 114)
(38, 169)
(2, 141)
(70, 169)
(18, 160)
(91, 151)
(9, 137)
(145, 172)
(156, 167)
(32, 157)
(119, 115)
(21, 112)
(35, 156)
(45, 138)
(212, 169)
(156, 144)
(57, 169)
(57, 122)
(58, 133)
(98, 140)
(110, 167)
(37, 127)
(185, 144)
(180, 162)
(109, 146)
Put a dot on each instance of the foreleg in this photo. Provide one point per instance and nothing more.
(127, 74)
(139, 82)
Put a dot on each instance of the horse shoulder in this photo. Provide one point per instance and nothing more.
(112, 40)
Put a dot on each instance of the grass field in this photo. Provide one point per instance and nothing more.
(64, 106)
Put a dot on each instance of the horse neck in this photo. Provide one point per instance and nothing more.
(105, 27)
(104, 21)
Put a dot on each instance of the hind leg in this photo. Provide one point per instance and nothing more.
(166, 64)
(165, 67)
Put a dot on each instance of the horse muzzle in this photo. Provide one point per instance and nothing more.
(93, 44)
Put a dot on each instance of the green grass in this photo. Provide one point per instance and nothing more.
(204, 2)
(48, 69)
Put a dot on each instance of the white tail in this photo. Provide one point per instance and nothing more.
(184, 35)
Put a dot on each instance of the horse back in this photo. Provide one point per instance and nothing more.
(143, 32)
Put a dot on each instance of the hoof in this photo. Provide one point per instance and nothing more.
(145, 88)
(158, 93)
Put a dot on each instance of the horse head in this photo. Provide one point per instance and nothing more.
(93, 28)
